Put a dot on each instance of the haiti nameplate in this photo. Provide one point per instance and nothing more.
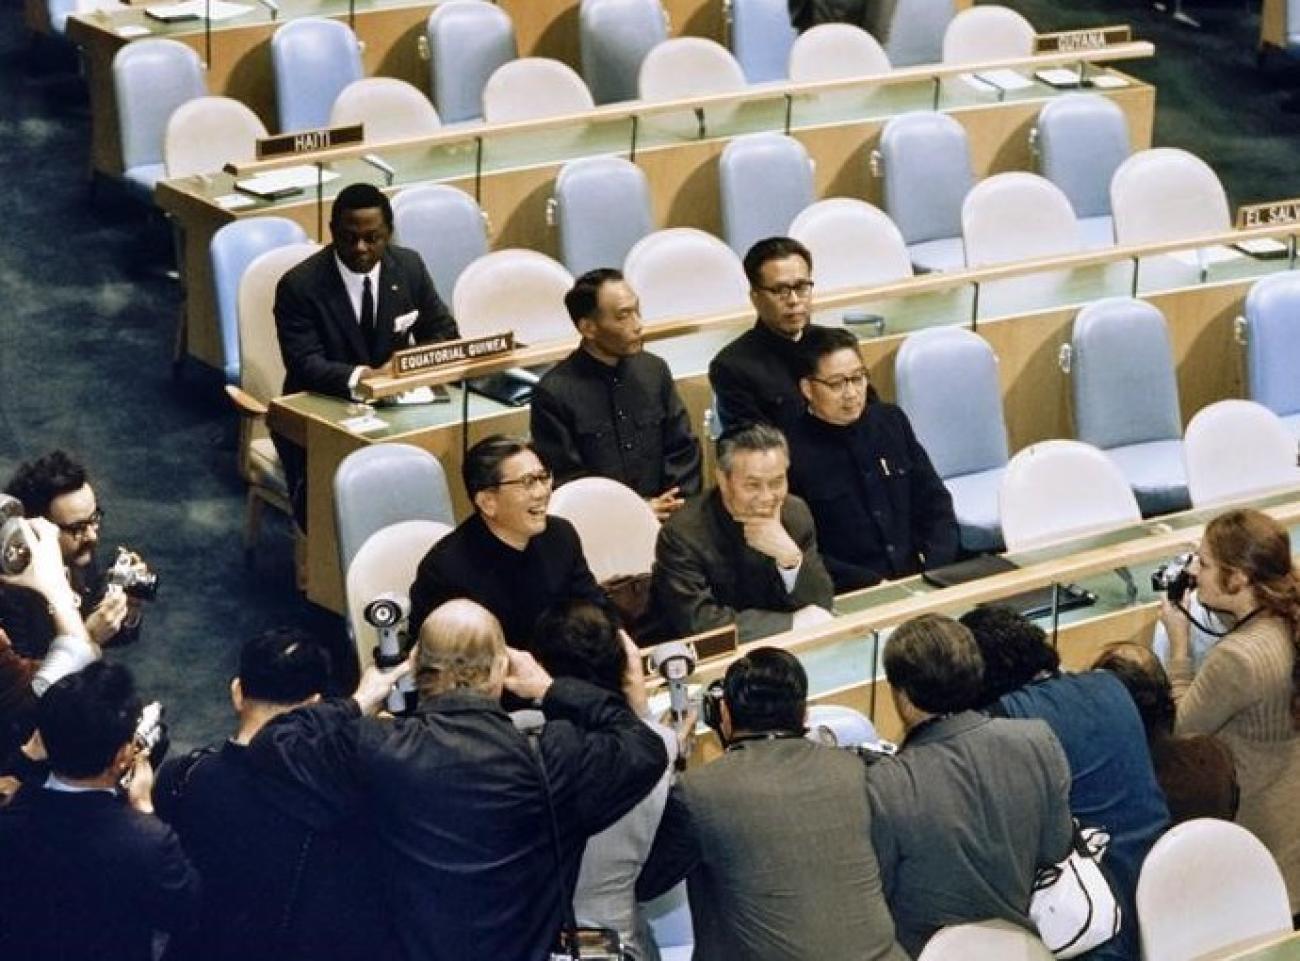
(309, 141)
(1276, 213)
(416, 360)
(1077, 41)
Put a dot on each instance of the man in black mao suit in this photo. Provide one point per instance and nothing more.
(342, 312)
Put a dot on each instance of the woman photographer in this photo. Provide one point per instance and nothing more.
(1246, 690)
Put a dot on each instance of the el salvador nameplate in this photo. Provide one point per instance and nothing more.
(309, 141)
(416, 360)
(1276, 213)
(1076, 41)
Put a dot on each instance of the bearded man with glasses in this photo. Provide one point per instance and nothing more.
(510, 556)
(880, 508)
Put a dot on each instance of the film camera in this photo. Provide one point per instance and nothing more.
(151, 738)
(1173, 579)
(132, 574)
(387, 613)
(15, 552)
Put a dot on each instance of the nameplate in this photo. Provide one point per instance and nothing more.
(308, 141)
(1077, 41)
(718, 642)
(1276, 213)
(416, 360)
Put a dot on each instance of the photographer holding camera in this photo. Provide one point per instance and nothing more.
(56, 488)
(1245, 692)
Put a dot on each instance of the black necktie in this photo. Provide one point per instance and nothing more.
(368, 316)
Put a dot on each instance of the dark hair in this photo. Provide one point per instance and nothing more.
(750, 437)
(361, 196)
(1142, 673)
(818, 342)
(773, 248)
(579, 639)
(38, 483)
(766, 690)
(482, 467)
(283, 666)
(1014, 649)
(936, 663)
(581, 299)
(86, 717)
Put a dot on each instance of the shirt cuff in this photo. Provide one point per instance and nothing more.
(68, 654)
(790, 576)
(352, 383)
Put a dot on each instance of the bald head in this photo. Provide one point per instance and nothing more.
(461, 647)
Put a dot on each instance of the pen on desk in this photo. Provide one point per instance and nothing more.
(884, 466)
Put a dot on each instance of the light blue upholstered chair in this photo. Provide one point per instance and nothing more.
(602, 208)
(151, 78)
(615, 36)
(761, 38)
(924, 161)
(1126, 398)
(669, 918)
(1273, 346)
(468, 40)
(382, 484)
(233, 247)
(445, 227)
(313, 59)
(765, 180)
(1081, 139)
(910, 30)
(947, 382)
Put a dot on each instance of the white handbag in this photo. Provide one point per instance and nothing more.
(1073, 905)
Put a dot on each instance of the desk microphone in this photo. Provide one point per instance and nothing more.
(272, 6)
(376, 161)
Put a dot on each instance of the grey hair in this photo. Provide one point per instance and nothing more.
(752, 438)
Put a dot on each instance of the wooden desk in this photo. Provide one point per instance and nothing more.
(1027, 341)
(1283, 948)
(510, 169)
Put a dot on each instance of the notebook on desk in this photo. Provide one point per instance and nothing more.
(1032, 604)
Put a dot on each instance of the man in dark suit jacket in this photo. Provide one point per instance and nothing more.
(746, 552)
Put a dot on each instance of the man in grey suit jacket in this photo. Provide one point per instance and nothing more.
(745, 552)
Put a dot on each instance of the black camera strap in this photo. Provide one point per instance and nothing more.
(1205, 628)
(566, 896)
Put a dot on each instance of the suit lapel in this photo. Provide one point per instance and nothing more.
(391, 296)
(339, 306)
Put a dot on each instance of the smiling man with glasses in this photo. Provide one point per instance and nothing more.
(510, 556)
(881, 510)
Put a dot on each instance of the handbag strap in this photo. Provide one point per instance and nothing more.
(570, 920)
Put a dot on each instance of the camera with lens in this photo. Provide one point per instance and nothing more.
(387, 614)
(15, 551)
(151, 738)
(132, 574)
(1174, 578)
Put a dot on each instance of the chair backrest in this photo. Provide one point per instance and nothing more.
(947, 384)
(1017, 216)
(682, 271)
(850, 728)
(1081, 139)
(313, 59)
(617, 528)
(764, 179)
(1207, 885)
(761, 38)
(533, 87)
(830, 51)
(1236, 449)
(381, 484)
(444, 226)
(1273, 342)
(206, 133)
(388, 108)
(1166, 194)
(233, 247)
(514, 289)
(688, 67)
(911, 30)
(987, 32)
(261, 368)
(614, 37)
(386, 562)
(852, 243)
(669, 919)
(602, 208)
(151, 79)
(984, 941)
(1122, 374)
(468, 41)
(1059, 489)
(927, 173)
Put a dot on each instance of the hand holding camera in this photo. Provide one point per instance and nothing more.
(30, 557)
(525, 677)
(106, 620)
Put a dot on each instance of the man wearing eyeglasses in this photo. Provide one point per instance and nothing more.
(510, 556)
(880, 508)
(56, 487)
(755, 378)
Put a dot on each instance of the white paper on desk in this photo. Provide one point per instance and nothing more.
(1059, 77)
(1004, 79)
(217, 10)
(290, 178)
(133, 30)
(1108, 81)
(1207, 256)
(234, 201)
(363, 424)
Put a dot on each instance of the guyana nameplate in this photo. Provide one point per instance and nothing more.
(308, 141)
(1276, 213)
(416, 360)
(1077, 41)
